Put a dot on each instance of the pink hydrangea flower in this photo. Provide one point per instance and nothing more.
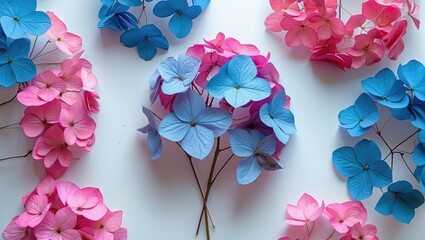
(306, 210)
(343, 216)
(87, 204)
(37, 119)
(35, 210)
(67, 42)
(58, 226)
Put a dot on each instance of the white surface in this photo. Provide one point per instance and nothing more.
(160, 199)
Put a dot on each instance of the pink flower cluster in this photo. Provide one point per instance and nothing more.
(61, 210)
(362, 40)
(59, 104)
(346, 218)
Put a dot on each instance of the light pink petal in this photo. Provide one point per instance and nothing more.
(324, 32)
(292, 37)
(70, 97)
(51, 111)
(91, 202)
(355, 21)
(29, 97)
(32, 125)
(69, 136)
(51, 157)
(120, 234)
(69, 43)
(91, 103)
(338, 27)
(339, 227)
(93, 192)
(394, 3)
(13, 231)
(273, 21)
(41, 148)
(76, 199)
(36, 204)
(113, 221)
(85, 128)
(65, 157)
(64, 189)
(103, 234)
(57, 29)
(95, 213)
(277, 5)
(47, 228)
(70, 234)
(308, 37)
(65, 218)
(47, 186)
(89, 80)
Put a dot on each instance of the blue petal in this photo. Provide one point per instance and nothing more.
(131, 37)
(107, 2)
(367, 152)
(357, 130)
(19, 48)
(413, 75)
(162, 9)
(359, 186)
(154, 83)
(131, 3)
(11, 28)
(345, 162)
(35, 23)
(7, 78)
(267, 145)
(386, 204)
(146, 50)
(400, 186)
(421, 137)
(24, 69)
(348, 118)
(419, 154)
(188, 106)
(198, 142)
(418, 172)
(243, 142)
(155, 144)
(188, 68)
(219, 84)
(151, 118)
(278, 101)
(7, 10)
(173, 128)
(160, 42)
(178, 4)
(192, 12)
(242, 69)
(380, 174)
(216, 119)
(248, 170)
(366, 110)
(400, 114)
(23, 8)
(413, 198)
(418, 113)
(202, 3)
(403, 212)
(255, 90)
(180, 25)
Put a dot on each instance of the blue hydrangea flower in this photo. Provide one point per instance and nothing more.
(415, 111)
(413, 75)
(116, 17)
(363, 167)
(129, 3)
(154, 139)
(15, 65)
(193, 125)
(360, 117)
(182, 15)
(400, 201)
(257, 152)
(237, 82)
(280, 119)
(178, 74)
(19, 18)
(386, 89)
(202, 3)
(147, 39)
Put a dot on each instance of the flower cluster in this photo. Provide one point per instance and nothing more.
(362, 40)
(116, 15)
(364, 166)
(221, 87)
(61, 210)
(60, 99)
(346, 219)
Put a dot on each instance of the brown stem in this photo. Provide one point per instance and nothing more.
(15, 157)
(9, 125)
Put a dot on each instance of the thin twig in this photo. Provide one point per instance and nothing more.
(15, 157)
(407, 166)
(221, 169)
(42, 49)
(9, 125)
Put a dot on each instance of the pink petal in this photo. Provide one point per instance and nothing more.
(13, 231)
(77, 199)
(36, 204)
(95, 213)
(29, 97)
(89, 80)
(47, 186)
(338, 226)
(64, 189)
(91, 103)
(54, 136)
(324, 32)
(292, 37)
(69, 43)
(51, 157)
(355, 21)
(70, 234)
(69, 136)
(93, 192)
(277, 5)
(65, 219)
(32, 125)
(70, 97)
(103, 234)
(308, 37)
(121, 234)
(65, 157)
(273, 21)
(85, 128)
(197, 51)
(41, 148)
(113, 221)
(56, 170)
(47, 228)
(57, 29)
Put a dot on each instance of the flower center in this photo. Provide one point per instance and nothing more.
(179, 12)
(237, 86)
(59, 39)
(361, 119)
(181, 78)
(397, 194)
(384, 97)
(58, 231)
(10, 60)
(193, 123)
(16, 18)
(147, 38)
(71, 124)
(102, 226)
(80, 209)
(366, 167)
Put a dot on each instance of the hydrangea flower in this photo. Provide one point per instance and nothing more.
(400, 201)
(413, 74)
(154, 139)
(178, 74)
(15, 65)
(343, 216)
(116, 17)
(193, 125)
(147, 39)
(306, 210)
(257, 151)
(363, 167)
(360, 117)
(238, 84)
(19, 18)
(182, 15)
(67, 42)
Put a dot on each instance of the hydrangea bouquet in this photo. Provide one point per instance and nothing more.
(146, 36)
(364, 165)
(59, 95)
(362, 40)
(221, 89)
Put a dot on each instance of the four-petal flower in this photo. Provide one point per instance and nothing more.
(154, 139)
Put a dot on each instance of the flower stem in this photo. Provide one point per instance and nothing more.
(9, 125)
(33, 46)
(331, 235)
(405, 163)
(8, 101)
(15, 157)
(42, 49)
(339, 9)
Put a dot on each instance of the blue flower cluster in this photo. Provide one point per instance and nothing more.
(404, 95)
(18, 19)
(148, 38)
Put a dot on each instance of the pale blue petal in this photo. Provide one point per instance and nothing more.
(187, 68)
(278, 101)
(248, 170)
(174, 86)
(154, 83)
(24, 69)
(180, 25)
(267, 145)
(219, 84)
(11, 28)
(151, 118)
(162, 9)
(168, 69)
(243, 142)
(257, 88)
(215, 119)
(242, 69)
(202, 3)
(35, 23)
(413, 75)
(173, 128)
(346, 163)
(367, 152)
(198, 142)
(359, 186)
(155, 144)
(268, 162)
(188, 106)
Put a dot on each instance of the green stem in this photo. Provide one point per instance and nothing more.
(15, 157)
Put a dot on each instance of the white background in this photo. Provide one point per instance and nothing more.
(160, 198)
